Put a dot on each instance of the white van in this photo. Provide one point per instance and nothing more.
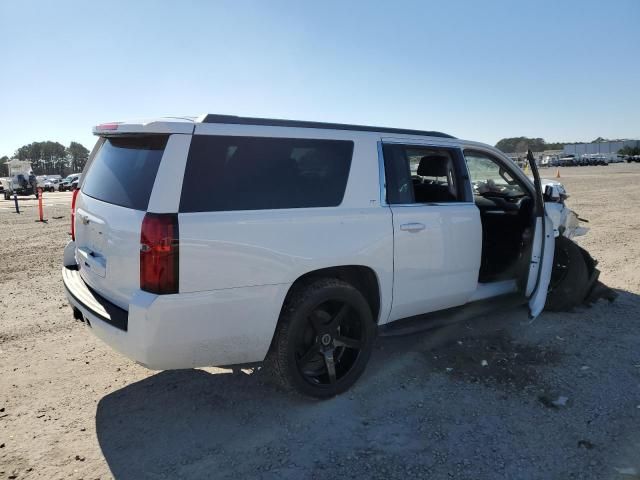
(227, 240)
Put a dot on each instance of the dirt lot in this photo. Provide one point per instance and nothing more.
(559, 397)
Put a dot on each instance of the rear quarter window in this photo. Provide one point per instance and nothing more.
(253, 173)
(123, 170)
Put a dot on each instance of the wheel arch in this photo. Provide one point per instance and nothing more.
(362, 277)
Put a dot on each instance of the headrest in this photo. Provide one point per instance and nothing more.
(433, 166)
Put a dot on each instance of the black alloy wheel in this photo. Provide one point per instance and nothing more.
(561, 266)
(324, 338)
(330, 345)
(569, 277)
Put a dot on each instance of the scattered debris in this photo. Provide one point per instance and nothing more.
(585, 444)
(600, 290)
(546, 401)
(494, 359)
(80, 458)
(560, 401)
(627, 471)
(584, 367)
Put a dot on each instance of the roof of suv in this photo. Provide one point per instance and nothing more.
(274, 122)
(158, 123)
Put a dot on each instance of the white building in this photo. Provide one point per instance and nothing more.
(608, 149)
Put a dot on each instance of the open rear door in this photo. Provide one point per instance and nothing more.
(542, 250)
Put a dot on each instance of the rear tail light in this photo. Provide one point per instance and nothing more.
(159, 253)
(108, 126)
(73, 214)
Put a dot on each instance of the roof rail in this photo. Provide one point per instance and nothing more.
(274, 122)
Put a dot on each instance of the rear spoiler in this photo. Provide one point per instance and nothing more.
(170, 125)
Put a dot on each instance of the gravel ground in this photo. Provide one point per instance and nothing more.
(558, 398)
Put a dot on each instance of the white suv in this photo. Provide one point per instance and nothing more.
(224, 240)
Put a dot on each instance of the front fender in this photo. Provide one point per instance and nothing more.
(565, 221)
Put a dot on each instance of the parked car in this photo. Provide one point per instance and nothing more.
(598, 159)
(633, 158)
(51, 185)
(295, 243)
(75, 182)
(66, 184)
(567, 161)
(549, 161)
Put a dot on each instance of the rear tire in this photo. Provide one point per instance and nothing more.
(569, 277)
(323, 340)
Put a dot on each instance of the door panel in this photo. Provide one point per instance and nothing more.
(437, 252)
(543, 248)
(542, 262)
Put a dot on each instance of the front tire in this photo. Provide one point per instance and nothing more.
(324, 338)
(569, 277)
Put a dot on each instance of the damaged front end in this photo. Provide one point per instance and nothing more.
(574, 278)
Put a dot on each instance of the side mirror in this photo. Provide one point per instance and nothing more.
(554, 193)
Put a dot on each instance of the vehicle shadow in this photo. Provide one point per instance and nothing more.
(236, 424)
(186, 422)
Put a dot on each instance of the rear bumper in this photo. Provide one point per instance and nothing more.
(161, 332)
(86, 300)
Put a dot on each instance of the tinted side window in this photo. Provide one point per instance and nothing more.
(124, 169)
(417, 174)
(253, 173)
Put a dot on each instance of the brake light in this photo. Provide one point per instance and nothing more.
(108, 126)
(159, 253)
(73, 213)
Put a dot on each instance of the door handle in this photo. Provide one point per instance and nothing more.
(412, 227)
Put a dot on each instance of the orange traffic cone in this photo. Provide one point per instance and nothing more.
(558, 173)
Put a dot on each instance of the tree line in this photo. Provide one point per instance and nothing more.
(629, 151)
(50, 158)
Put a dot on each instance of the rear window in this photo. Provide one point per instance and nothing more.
(251, 173)
(123, 170)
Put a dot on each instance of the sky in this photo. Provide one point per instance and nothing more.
(481, 70)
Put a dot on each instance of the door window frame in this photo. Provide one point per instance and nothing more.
(509, 166)
(459, 164)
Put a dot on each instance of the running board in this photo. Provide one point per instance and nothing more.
(441, 318)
